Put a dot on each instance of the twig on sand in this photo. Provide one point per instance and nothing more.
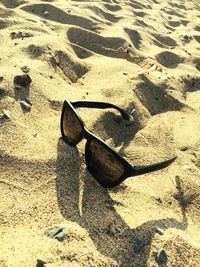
(180, 197)
(129, 49)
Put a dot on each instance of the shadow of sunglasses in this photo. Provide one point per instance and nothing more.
(105, 164)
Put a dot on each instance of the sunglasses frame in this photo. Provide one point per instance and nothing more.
(129, 170)
(86, 134)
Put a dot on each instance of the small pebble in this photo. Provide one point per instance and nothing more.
(1, 78)
(60, 236)
(6, 115)
(22, 80)
(25, 105)
(25, 35)
(25, 69)
(53, 231)
(45, 13)
(13, 35)
(183, 148)
(56, 232)
(160, 231)
(161, 256)
(16, 35)
(187, 167)
(28, 101)
(187, 37)
(153, 67)
(40, 263)
(138, 245)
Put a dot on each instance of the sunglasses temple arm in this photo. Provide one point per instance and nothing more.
(101, 105)
(138, 170)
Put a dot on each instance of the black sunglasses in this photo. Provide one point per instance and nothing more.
(106, 165)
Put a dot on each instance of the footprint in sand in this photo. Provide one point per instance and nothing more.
(3, 24)
(112, 7)
(169, 60)
(174, 23)
(11, 3)
(135, 37)
(71, 67)
(53, 13)
(178, 6)
(105, 15)
(95, 43)
(197, 63)
(191, 84)
(197, 28)
(154, 97)
(165, 40)
(197, 38)
(140, 14)
(173, 12)
(137, 5)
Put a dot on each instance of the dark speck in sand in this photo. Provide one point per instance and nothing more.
(159, 200)
(25, 69)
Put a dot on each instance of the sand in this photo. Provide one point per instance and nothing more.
(142, 54)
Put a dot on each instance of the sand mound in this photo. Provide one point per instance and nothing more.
(132, 54)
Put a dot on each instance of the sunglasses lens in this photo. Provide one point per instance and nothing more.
(103, 164)
(71, 126)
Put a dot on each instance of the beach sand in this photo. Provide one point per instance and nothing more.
(142, 54)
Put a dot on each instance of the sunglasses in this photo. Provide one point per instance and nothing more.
(105, 165)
